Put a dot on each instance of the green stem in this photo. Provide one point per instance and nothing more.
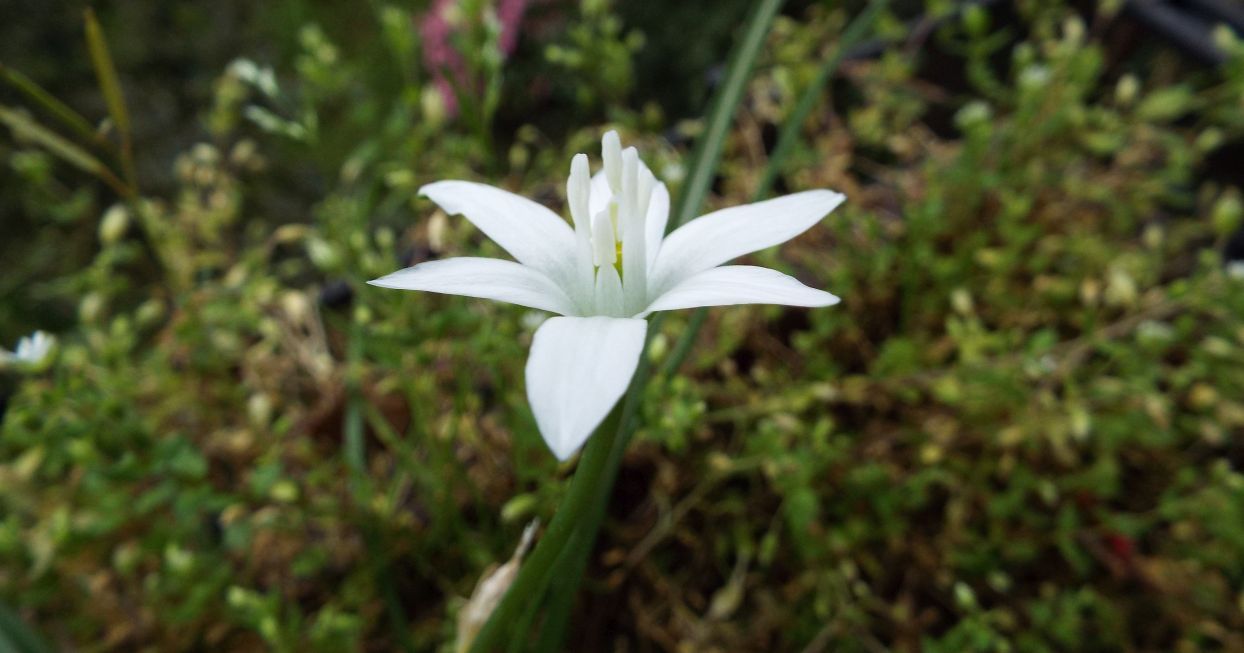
(535, 573)
(110, 86)
(61, 111)
(685, 341)
(854, 33)
(571, 565)
(353, 444)
(721, 113)
(522, 624)
(355, 455)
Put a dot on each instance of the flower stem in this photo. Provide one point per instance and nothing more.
(562, 589)
(536, 571)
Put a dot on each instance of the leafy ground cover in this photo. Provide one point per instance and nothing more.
(1020, 431)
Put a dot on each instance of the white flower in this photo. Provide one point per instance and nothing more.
(31, 350)
(608, 273)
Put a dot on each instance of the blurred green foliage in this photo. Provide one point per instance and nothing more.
(1022, 430)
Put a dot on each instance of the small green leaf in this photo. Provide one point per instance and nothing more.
(1166, 104)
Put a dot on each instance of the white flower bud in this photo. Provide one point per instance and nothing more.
(113, 226)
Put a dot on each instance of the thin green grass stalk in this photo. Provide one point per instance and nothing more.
(566, 585)
(690, 202)
(854, 33)
(562, 588)
(110, 85)
(352, 431)
(523, 624)
(721, 114)
(561, 570)
(355, 455)
(16, 636)
(57, 109)
(25, 127)
(685, 341)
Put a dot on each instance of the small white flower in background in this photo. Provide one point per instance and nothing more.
(31, 350)
(608, 273)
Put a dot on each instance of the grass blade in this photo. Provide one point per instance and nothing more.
(26, 128)
(110, 85)
(61, 111)
(721, 114)
(106, 74)
(853, 34)
(17, 636)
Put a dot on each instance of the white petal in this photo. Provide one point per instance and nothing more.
(609, 297)
(578, 191)
(739, 284)
(32, 349)
(604, 246)
(646, 183)
(601, 193)
(713, 239)
(654, 224)
(611, 152)
(578, 368)
(636, 181)
(530, 232)
(657, 217)
(486, 278)
(628, 199)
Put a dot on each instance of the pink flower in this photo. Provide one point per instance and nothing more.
(445, 62)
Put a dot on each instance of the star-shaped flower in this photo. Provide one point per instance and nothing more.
(608, 273)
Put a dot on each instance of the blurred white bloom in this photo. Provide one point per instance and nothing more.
(1035, 77)
(608, 273)
(531, 320)
(31, 350)
(261, 78)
